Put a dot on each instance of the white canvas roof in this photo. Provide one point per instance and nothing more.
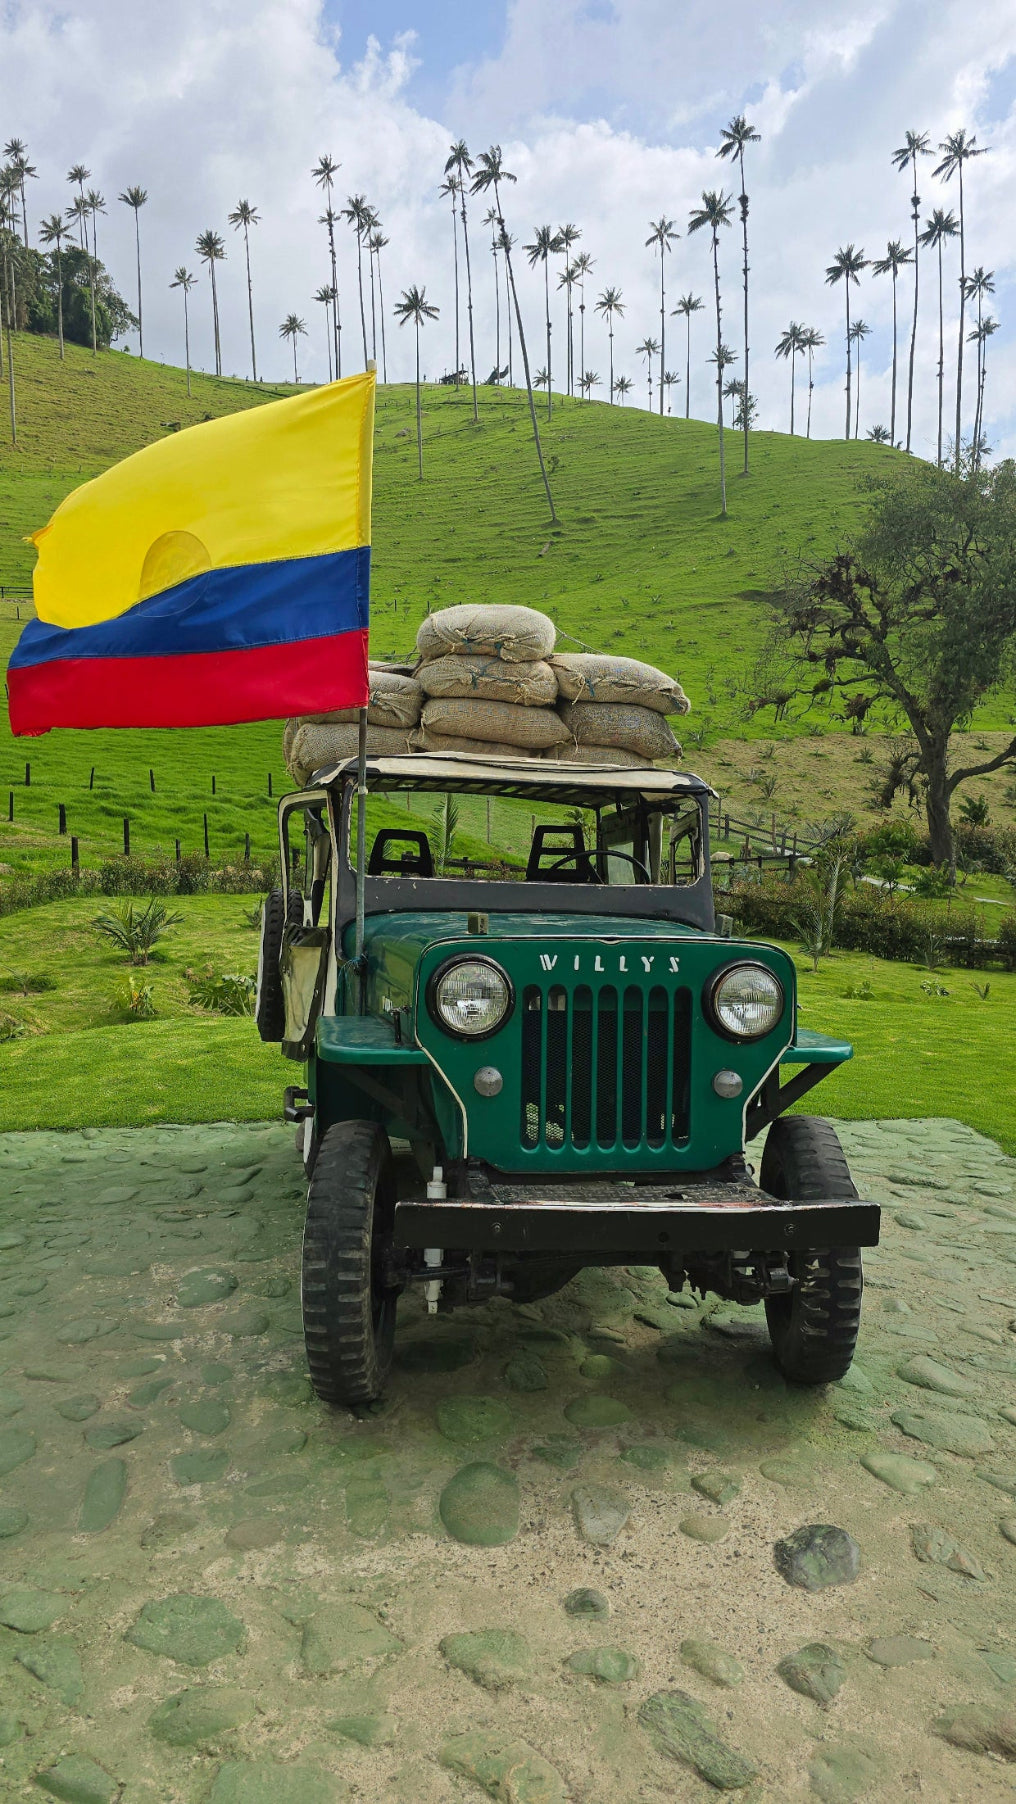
(522, 777)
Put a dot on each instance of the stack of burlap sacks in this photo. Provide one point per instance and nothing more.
(489, 681)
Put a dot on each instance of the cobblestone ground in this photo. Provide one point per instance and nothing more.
(548, 1569)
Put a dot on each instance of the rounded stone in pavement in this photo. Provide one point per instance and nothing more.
(202, 1467)
(584, 1602)
(596, 1412)
(112, 1434)
(931, 1375)
(495, 1658)
(900, 1472)
(470, 1420)
(210, 1285)
(13, 1518)
(205, 1415)
(817, 1556)
(193, 1630)
(704, 1528)
(600, 1513)
(898, 1650)
(263, 1782)
(80, 1408)
(526, 1371)
(816, 1671)
(29, 1611)
(610, 1665)
(253, 1534)
(16, 1446)
(712, 1662)
(719, 1487)
(479, 1506)
(104, 1495)
(191, 1719)
(78, 1780)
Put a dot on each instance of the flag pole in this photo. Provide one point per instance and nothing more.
(361, 837)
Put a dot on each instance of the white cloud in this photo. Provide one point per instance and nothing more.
(608, 116)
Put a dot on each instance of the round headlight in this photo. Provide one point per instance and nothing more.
(746, 1001)
(471, 998)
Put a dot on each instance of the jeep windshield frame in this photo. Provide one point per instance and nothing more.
(666, 794)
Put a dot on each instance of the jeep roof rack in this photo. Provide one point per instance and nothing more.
(527, 779)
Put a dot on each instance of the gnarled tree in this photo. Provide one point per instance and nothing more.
(918, 616)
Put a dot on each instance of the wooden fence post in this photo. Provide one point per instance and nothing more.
(126, 836)
(205, 820)
(61, 818)
(74, 853)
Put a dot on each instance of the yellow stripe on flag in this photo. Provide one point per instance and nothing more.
(288, 480)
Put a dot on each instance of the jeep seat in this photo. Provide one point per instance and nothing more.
(562, 846)
(417, 860)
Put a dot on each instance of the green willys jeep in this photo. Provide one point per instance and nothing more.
(528, 1071)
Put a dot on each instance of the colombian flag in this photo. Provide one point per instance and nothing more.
(220, 575)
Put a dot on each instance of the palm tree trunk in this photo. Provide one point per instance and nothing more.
(508, 306)
(91, 285)
(296, 373)
(663, 329)
(137, 245)
(419, 414)
(941, 353)
(497, 311)
(335, 304)
(469, 307)
(610, 335)
(546, 306)
(381, 305)
(8, 302)
(892, 405)
(846, 285)
(857, 396)
(582, 331)
(455, 248)
(525, 365)
(328, 338)
(24, 212)
(59, 300)
(744, 230)
(250, 309)
(687, 368)
(186, 337)
(719, 374)
(793, 373)
(215, 319)
(959, 348)
(373, 303)
(359, 279)
(810, 387)
(913, 329)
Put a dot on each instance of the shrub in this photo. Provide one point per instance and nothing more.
(1006, 942)
(884, 924)
(137, 932)
(25, 983)
(134, 998)
(11, 1027)
(227, 994)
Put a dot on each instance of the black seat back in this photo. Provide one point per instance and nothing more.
(551, 843)
(417, 860)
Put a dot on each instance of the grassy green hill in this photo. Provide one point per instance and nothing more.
(642, 564)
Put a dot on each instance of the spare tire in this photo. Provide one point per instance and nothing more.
(269, 1006)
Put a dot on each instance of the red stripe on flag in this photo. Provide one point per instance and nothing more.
(199, 689)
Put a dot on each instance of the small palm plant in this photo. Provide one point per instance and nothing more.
(136, 931)
(446, 824)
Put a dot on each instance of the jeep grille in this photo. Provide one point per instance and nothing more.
(607, 1068)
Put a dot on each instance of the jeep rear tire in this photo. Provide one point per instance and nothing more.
(269, 1006)
(348, 1312)
(813, 1328)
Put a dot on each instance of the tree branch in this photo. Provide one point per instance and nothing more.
(1006, 756)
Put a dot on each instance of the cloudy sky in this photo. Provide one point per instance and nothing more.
(609, 114)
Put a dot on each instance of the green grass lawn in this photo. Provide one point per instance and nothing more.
(82, 1065)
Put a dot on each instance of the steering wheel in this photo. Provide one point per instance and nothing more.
(573, 857)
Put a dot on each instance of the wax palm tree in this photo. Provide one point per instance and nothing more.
(17, 151)
(542, 378)
(958, 148)
(136, 198)
(77, 214)
(543, 247)
(293, 327)
(622, 386)
(376, 243)
(490, 173)
(373, 226)
(324, 295)
(460, 160)
(183, 280)
(686, 306)
(506, 244)
(715, 211)
(567, 235)
(583, 267)
(913, 148)
(663, 235)
(649, 348)
(979, 283)
(895, 259)
(940, 226)
(858, 333)
(669, 379)
(357, 213)
(879, 435)
(812, 342)
(324, 175)
(609, 303)
(241, 219)
(846, 267)
(8, 291)
(52, 232)
(490, 219)
(415, 306)
(78, 175)
(791, 346)
(736, 137)
(733, 390)
(96, 205)
(985, 328)
(211, 249)
(450, 186)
